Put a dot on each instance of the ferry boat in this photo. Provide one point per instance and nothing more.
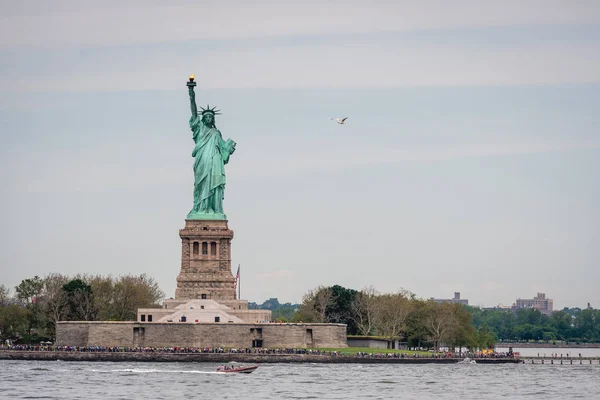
(242, 369)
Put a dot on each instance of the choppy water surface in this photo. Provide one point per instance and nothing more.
(110, 380)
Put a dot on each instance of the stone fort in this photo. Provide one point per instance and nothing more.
(205, 311)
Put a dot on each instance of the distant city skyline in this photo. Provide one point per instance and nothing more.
(456, 299)
(470, 160)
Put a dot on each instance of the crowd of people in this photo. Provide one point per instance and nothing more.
(274, 351)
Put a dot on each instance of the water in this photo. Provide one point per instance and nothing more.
(110, 380)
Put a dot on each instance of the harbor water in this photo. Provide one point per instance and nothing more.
(126, 380)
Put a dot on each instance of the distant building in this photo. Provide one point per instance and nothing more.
(456, 300)
(375, 342)
(539, 302)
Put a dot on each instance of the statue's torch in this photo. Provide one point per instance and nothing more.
(190, 82)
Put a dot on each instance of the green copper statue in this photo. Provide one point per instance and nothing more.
(210, 153)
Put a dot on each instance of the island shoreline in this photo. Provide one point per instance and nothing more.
(236, 357)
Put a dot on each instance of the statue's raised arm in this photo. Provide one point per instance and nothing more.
(191, 84)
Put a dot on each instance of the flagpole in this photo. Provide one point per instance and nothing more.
(239, 279)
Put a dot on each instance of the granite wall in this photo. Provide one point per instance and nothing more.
(135, 334)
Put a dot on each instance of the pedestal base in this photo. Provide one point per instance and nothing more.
(206, 216)
(206, 261)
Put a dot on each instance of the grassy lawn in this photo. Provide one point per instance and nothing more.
(354, 350)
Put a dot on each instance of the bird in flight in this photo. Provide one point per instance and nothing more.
(340, 120)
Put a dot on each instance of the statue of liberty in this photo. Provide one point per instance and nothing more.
(210, 153)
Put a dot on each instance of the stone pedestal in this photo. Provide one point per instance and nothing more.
(205, 261)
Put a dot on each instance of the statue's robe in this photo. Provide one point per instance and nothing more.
(210, 153)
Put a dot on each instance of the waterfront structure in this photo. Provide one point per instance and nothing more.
(375, 342)
(206, 311)
(200, 335)
(539, 302)
(455, 300)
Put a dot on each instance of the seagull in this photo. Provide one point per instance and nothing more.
(340, 120)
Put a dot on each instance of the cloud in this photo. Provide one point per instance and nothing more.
(69, 47)
(76, 24)
(370, 64)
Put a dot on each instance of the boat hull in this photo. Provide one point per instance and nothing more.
(238, 370)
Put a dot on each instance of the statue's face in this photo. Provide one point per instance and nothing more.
(209, 118)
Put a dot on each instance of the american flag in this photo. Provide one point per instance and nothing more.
(237, 277)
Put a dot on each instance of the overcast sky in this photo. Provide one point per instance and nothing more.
(470, 161)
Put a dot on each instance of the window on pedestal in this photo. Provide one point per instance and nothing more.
(204, 248)
(149, 318)
(217, 319)
(143, 318)
(213, 248)
(196, 249)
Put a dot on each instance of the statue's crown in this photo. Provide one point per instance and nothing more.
(212, 111)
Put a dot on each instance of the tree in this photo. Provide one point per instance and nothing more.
(587, 325)
(103, 288)
(54, 301)
(271, 304)
(530, 316)
(486, 339)
(461, 332)
(340, 311)
(14, 321)
(132, 292)
(417, 333)
(364, 310)
(80, 300)
(29, 289)
(548, 336)
(439, 319)
(315, 304)
(392, 311)
(4, 295)
(561, 321)
(285, 312)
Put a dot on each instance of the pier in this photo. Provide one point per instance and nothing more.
(562, 360)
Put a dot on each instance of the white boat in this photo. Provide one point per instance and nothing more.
(242, 369)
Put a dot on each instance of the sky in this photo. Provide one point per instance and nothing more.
(470, 160)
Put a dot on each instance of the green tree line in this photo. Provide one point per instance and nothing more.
(31, 311)
(424, 323)
(400, 315)
(528, 324)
